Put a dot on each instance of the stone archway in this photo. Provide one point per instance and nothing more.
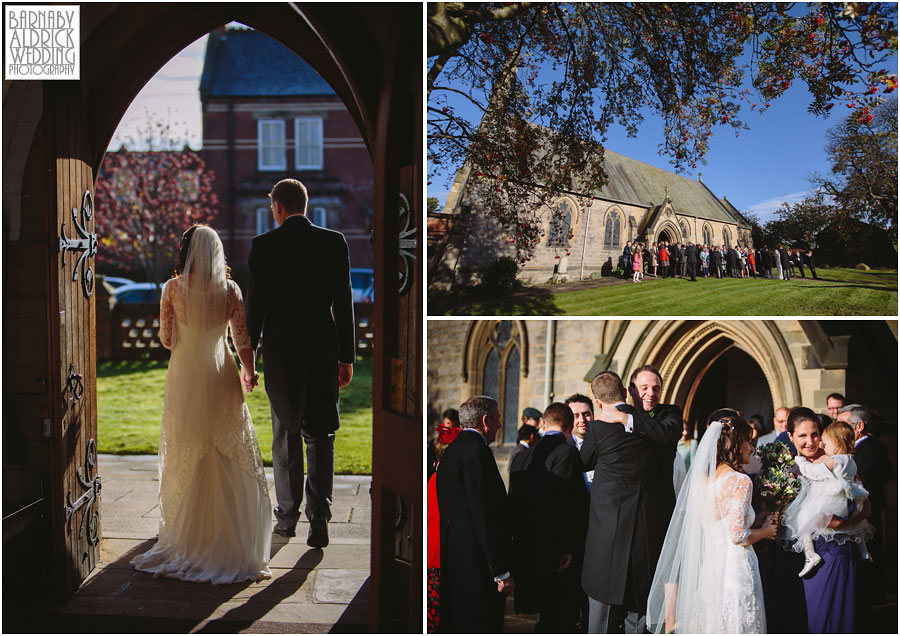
(734, 379)
(686, 354)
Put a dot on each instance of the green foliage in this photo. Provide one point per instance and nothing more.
(540, 135)
(500, 275)
(432, 205)
(130, 401)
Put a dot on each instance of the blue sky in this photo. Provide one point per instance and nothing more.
(758, 170)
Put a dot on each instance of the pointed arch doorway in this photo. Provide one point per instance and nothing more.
(59, 132)
(730, 379)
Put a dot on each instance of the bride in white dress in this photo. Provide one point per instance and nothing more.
(707, 579)
(216, 524)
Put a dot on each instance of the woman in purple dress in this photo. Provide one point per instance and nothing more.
(830, 588)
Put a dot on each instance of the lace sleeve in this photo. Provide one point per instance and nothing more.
(239, 335)
(167, 316)
(733, 495)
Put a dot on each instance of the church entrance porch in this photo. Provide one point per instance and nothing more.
(666, 235)
(732, 379)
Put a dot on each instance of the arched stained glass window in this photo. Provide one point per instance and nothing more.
(511, 396)
(560, 226)
(726, 237)
(611, 236)
(492, 375)
(707, 235)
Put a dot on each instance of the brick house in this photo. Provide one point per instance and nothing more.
(268, 115)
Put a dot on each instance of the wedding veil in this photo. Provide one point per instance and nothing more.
(205, 283)
(687, 585)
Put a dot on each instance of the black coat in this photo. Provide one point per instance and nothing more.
(733, 259)
(299, 297)
(873, 467)
(715, 259)
(631, 504)
(548, 505)
(518, 458)
(765, 258)
(691, 254)
(475, 537)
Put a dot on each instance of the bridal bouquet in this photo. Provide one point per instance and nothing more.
(776, 484)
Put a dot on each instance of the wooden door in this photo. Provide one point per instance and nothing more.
(397, 444)
(75, 481)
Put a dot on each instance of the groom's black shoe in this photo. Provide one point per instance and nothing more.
(284, 531)
(318, 534)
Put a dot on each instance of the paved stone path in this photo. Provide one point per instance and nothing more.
(311, 591)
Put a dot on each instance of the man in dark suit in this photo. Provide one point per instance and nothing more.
(766, 259)
(626, 258)
(810, 261)
(734, 258)
(476, 550)
(785, 262)
(692, 257)
(299, 295)
(548, 505)
(631, 451)
(715, 262)
(873, 467)
(526, 437)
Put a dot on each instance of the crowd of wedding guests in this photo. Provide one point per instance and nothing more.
(590, 515)
(677, 260)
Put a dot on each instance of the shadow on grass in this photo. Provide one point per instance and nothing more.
(522, 301)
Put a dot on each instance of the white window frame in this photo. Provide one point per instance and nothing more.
(318, 151)
(320, 216)
(263, 220)
(282, 165)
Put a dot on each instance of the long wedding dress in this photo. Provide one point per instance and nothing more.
(216, 524)
(707, 575)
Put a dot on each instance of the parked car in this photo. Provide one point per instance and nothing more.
(362, 280)
(137, 293)
(115, 281)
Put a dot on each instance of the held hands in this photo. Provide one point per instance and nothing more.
(249, 379)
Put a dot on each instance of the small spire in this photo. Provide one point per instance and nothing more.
(700, 177)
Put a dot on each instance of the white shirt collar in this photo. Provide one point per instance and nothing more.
(863, 438)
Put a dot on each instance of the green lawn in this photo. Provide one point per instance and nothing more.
(130, 398)
(838, 292)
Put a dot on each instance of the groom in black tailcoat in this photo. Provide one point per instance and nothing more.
(299, 296)
(548, 505)
(631, 451)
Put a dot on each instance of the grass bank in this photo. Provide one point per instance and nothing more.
(837, 292)
(129, 411)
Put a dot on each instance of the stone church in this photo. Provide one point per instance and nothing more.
(639, 202)
(755, 366)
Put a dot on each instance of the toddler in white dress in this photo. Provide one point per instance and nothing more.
(827, 487)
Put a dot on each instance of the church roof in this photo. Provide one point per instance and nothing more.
(638, 183)
(247, 63)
